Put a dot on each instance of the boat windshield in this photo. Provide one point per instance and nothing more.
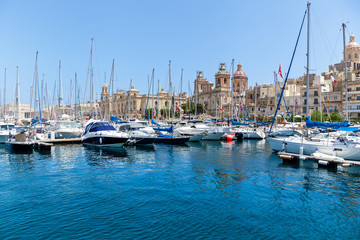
(101, 126)
(6, 127)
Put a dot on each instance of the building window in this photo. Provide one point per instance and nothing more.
(270, 108)
(218, 81)
(358, 98)
(225, 80)
(316, 101)
(155, 102)
(356, 56)
(335, 97)
(335, 109)
(316, 93)
(349, 56)
(304, 94)
(305, 102)
(349, 98)
(166, 103)
(349, 89)
(357, 107)
(330, 108)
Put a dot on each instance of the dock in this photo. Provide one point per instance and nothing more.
(59, 141)
(321, 160)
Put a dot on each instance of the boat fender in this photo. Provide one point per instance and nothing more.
(301, 151)
(100, 140)
(322, 162)
(346, 165)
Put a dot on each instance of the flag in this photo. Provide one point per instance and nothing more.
(333, 79)
(280, 73)
(179, 109)
(154, 113)
(297, 107)
(220, 108)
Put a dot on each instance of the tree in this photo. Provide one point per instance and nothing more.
(316, 116)
(336, 117)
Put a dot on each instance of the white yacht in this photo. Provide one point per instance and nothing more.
(139, 134)
(7, 130)
(103, 134)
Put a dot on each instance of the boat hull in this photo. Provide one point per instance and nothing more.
(20, 147)
(105, 142)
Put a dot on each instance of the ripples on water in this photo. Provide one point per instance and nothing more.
(210, 190)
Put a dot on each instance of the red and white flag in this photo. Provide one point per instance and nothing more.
(179, 109)
(333, 79)
(220, 108)
(154, 113)
(280, 73)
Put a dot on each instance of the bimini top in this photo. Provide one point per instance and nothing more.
(99, 126)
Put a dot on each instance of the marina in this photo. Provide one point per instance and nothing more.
(200, 190)
(217, 120)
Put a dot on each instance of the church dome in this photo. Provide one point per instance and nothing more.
(239, 72)
(352, 43)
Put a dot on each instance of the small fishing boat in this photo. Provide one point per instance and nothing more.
(20, 144)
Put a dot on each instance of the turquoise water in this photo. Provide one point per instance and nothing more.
(210, 190)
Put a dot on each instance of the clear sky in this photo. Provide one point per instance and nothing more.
(142, 35)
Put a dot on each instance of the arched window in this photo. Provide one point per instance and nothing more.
(166, 103)
(356, 56)
(218, 81)
(225, 80)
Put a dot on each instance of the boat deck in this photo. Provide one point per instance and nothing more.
(54, 141)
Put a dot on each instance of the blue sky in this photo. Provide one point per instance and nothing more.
(142, 35)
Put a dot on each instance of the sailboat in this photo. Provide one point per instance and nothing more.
(339, 146)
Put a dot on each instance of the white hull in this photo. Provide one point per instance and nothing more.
(348, 152)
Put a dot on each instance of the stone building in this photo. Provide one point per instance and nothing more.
(219, 97)
(131, 104)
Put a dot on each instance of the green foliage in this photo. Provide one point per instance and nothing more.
(336, 117)
(317, 115)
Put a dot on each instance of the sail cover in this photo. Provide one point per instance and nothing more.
(336, 125)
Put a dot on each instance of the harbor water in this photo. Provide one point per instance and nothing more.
(207, 190)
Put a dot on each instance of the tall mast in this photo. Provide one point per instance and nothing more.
(5, 93)
(158, 102)
(152, 98)
(196, 91)
(17, 100)
(112, 88)
(275, 100)
(91, 80)
(232, 91)
(60, 91)
(307, 60)
(255, 101)
(170, 89)
(129, 101)
(345, 72)
(75, 97)
(180, 95)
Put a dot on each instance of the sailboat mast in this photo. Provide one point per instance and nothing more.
(158, 102)
(255, 102)
(17, 100)
(91, 80)
(112, 88)
(307, 60)
(232, 90)
(152, 98)
(5, 93)
(180, 95)
(170, 89)
(75, 96)
(196, 91)
(129, 101)
(60, 91)
(345, 72)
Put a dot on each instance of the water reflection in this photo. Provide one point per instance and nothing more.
(21, 162)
